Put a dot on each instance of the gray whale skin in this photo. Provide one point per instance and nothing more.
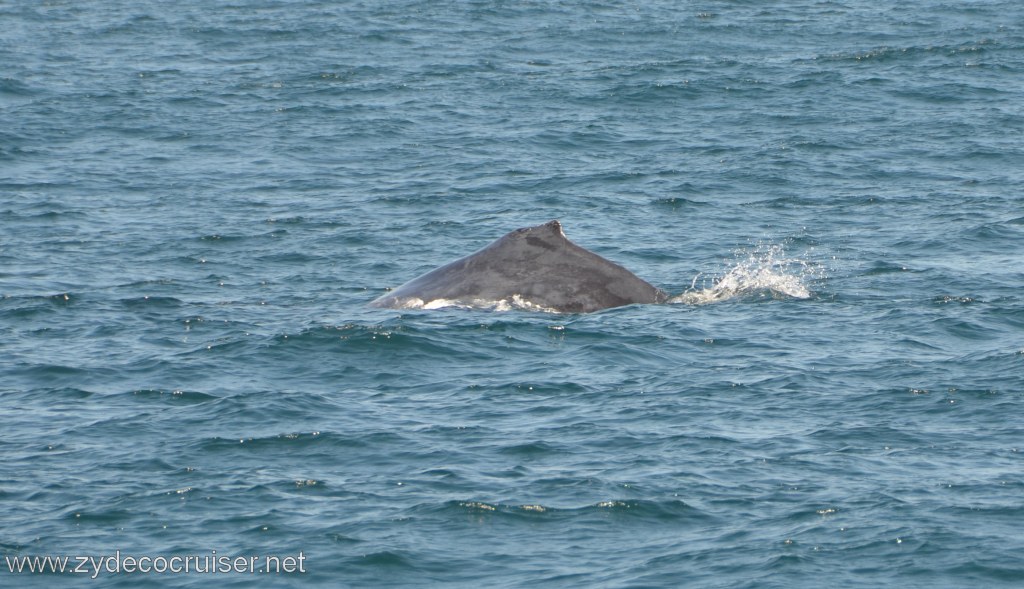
(538, 267)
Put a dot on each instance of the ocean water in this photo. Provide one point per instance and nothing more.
(198, 199)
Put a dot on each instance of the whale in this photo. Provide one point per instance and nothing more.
(532, 268)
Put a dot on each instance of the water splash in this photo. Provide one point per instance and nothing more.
(761, 272)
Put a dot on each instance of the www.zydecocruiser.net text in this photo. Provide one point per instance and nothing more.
(118, 563)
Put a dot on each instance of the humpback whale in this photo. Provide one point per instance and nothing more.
(530, 268)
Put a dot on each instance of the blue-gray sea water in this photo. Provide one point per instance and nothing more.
(198, 199)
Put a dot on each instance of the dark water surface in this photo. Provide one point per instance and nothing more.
(197, 199)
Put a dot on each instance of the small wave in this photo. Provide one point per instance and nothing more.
(763, 272)
(175, 395)
(640, 509)
(293, 441)
(147, 301)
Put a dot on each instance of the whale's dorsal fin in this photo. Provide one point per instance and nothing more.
(534, 267)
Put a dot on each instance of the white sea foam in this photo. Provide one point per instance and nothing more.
(763, 271)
